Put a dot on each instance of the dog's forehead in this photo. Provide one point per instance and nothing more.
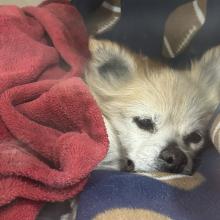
(183, 117)
(168, 97)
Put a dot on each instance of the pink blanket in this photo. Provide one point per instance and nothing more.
(51, 131)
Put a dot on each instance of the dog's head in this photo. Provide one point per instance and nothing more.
(160, 115)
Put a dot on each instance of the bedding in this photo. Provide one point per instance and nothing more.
(52, 134)
(157, 196)
(191, 27)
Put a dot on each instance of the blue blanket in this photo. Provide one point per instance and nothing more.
(115, 195)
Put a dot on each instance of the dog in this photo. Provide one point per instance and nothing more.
(156, 117)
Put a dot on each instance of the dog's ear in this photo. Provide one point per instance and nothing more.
(209, 68)
(206, 74)
(111, 60)
(111, 66)
(209, 77)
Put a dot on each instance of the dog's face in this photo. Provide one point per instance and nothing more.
(161, 127)
(159, 115)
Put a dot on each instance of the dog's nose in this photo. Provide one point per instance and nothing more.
(174, 160)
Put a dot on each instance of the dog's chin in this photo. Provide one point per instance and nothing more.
(129, 166)
(159, 170)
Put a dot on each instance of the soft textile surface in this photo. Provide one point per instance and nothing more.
(51, 131)
(189, 27)
(20, 3)
(175, 39)
(124, 196)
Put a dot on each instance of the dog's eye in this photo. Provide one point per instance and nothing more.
(194, 138)
(145, 124)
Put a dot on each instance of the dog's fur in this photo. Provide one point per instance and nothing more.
(128, 86)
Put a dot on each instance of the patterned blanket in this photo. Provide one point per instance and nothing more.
(124, 196)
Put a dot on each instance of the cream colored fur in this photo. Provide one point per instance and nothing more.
(126, 85)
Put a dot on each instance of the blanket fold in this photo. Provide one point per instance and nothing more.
(52, 134)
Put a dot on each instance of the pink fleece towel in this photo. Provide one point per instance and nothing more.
(51, 131)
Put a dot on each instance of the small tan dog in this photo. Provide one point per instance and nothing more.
(156, 117)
